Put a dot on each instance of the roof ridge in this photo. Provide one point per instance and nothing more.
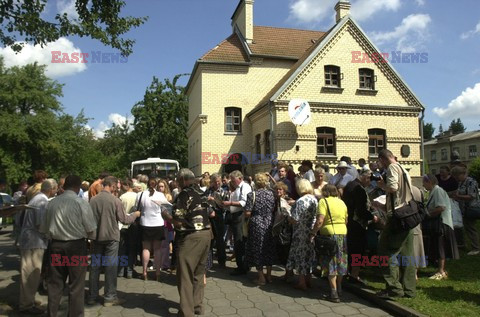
(284, 28)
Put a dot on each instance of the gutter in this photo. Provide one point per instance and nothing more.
(422, 146)
(272, 147)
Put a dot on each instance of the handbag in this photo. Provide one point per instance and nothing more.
(472, 212)
(409, 215)
(456, 214)
(432, 226)
(247, 221)
(326, 245)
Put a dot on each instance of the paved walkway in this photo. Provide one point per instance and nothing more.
(224, 295)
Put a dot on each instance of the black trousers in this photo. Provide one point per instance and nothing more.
(219, 232)
(239, 247)
(57, 275)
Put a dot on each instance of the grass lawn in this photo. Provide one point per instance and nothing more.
(459, 295)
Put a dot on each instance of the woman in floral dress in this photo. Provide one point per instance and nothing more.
(260, 208)
(302, 253)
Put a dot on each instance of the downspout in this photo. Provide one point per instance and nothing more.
(422, 147)
(272, 148)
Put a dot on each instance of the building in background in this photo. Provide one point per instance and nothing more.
(240, 90)
(447, 147)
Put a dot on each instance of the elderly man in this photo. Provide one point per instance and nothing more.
(398, 187)
(32, 245)
(215, 195)
(238, 200)
(108, 210)
(192, 225)
(69, 221)
(342, 178)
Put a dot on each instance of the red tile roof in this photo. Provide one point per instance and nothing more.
(282, 42)
(229, 50)
(270, 41)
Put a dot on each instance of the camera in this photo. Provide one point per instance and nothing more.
(375, 178)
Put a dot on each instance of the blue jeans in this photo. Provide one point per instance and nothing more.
(109, 249)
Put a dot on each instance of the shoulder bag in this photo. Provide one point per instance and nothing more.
(326, 245)
(411, 214)
(432, 226)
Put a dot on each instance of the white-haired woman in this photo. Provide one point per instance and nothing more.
(302, 253)
(260, 250)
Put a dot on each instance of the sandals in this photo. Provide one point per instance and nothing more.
(439, 276)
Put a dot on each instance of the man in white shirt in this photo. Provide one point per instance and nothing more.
(237, 202)
(342, 178)
(351, 170)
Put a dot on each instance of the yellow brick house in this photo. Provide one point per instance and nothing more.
(239, 93)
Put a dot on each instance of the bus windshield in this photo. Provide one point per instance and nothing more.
(158, 169)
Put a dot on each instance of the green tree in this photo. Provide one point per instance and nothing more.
(34, 131)
(428, 131)
(113, 148)
(23, 21)
(160, 123)
(474, 169)
(456, 126)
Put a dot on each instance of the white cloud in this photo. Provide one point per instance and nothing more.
(409, 36)
(113, 118)
(466, 105)
(35, 53)
(364, 9)
(309, 11)
(68, 7)
(471, 33)
(313, 11)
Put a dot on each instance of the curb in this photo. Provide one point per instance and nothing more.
(390, 306)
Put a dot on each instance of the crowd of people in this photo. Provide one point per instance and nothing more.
(273, 218)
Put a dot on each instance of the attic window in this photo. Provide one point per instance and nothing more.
(332, 76)
(366, 78)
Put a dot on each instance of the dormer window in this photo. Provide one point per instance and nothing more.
(332, 76)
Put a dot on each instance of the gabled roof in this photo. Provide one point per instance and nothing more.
(282, 42)
(303, 62)
(229, 50)
(268, 41)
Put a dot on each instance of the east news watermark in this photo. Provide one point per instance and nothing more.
(242, 158)
(94, 57)
(395, 57)
(83, 260)
(384, 260)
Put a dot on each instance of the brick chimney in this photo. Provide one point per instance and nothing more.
(342, 8)
(242, 19)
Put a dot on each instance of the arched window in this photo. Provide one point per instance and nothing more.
(233, 119)
(326, 141)
(266, 137)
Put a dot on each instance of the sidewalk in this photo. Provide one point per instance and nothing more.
(224, 295)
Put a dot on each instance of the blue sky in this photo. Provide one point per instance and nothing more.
(180, 31)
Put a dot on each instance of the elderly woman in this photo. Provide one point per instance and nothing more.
(282, 229)
(443, 244)
(319, 182)
(302, 253)
(467, 196)
(332, 218)
(260, 208)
